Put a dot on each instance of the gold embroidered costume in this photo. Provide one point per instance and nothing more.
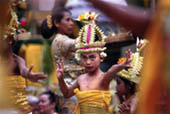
(93, 102)
(17, 92)
(63, 46)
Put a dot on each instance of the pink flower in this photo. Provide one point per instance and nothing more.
(23, 22)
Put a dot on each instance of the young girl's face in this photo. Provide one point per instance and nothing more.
(121, 87)
(90, 61)
(65, 26)
(44, 104)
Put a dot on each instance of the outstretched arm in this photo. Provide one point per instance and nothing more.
(67, 91)
(135, 19)
(26, 72)
(124, 36)
(109, 75)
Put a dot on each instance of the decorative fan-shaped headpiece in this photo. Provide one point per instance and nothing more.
(133, 74)
(10, 29)
(90, 38)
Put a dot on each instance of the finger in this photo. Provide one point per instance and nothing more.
(57, 61)
(60, 59)
(58, 64)
(39, 77)
(128, 66)
(120, 111)
(126, 108)
(124, 98)
(55, 58)
(44, 75)
(123, 106)
(31, 67)
(139, 44)
(41, 82)
(40, 74)
(120, 106)
(129, 53)
(62, 64)
(128, 56)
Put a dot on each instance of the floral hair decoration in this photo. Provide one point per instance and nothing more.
(90, 38)
(133, 74)
(10, 29)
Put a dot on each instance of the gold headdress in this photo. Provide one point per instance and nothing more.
(90, 38)
(49, 21)
(88, 17)
(133, 74)
(10, 29)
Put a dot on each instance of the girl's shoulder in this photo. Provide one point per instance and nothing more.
(61, 36)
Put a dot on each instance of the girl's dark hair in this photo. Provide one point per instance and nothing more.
(132, 85)
(53, 99)
(57, 15)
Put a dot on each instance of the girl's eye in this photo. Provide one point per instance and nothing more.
(69, 19)
(92, 57)
(83, 57)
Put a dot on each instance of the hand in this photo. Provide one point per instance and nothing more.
(60, 69)
(126, 64)
(34, 77)
(20, 31)
(124, 108)
(139, 44)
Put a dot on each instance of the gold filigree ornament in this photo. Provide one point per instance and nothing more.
(17, 93)
(10, 30)
(133, 74)
(88, 17)
(90, 39)
(16, 2)
(49, 21)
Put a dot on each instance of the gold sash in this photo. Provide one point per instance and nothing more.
(17, 94)
(93, 102)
